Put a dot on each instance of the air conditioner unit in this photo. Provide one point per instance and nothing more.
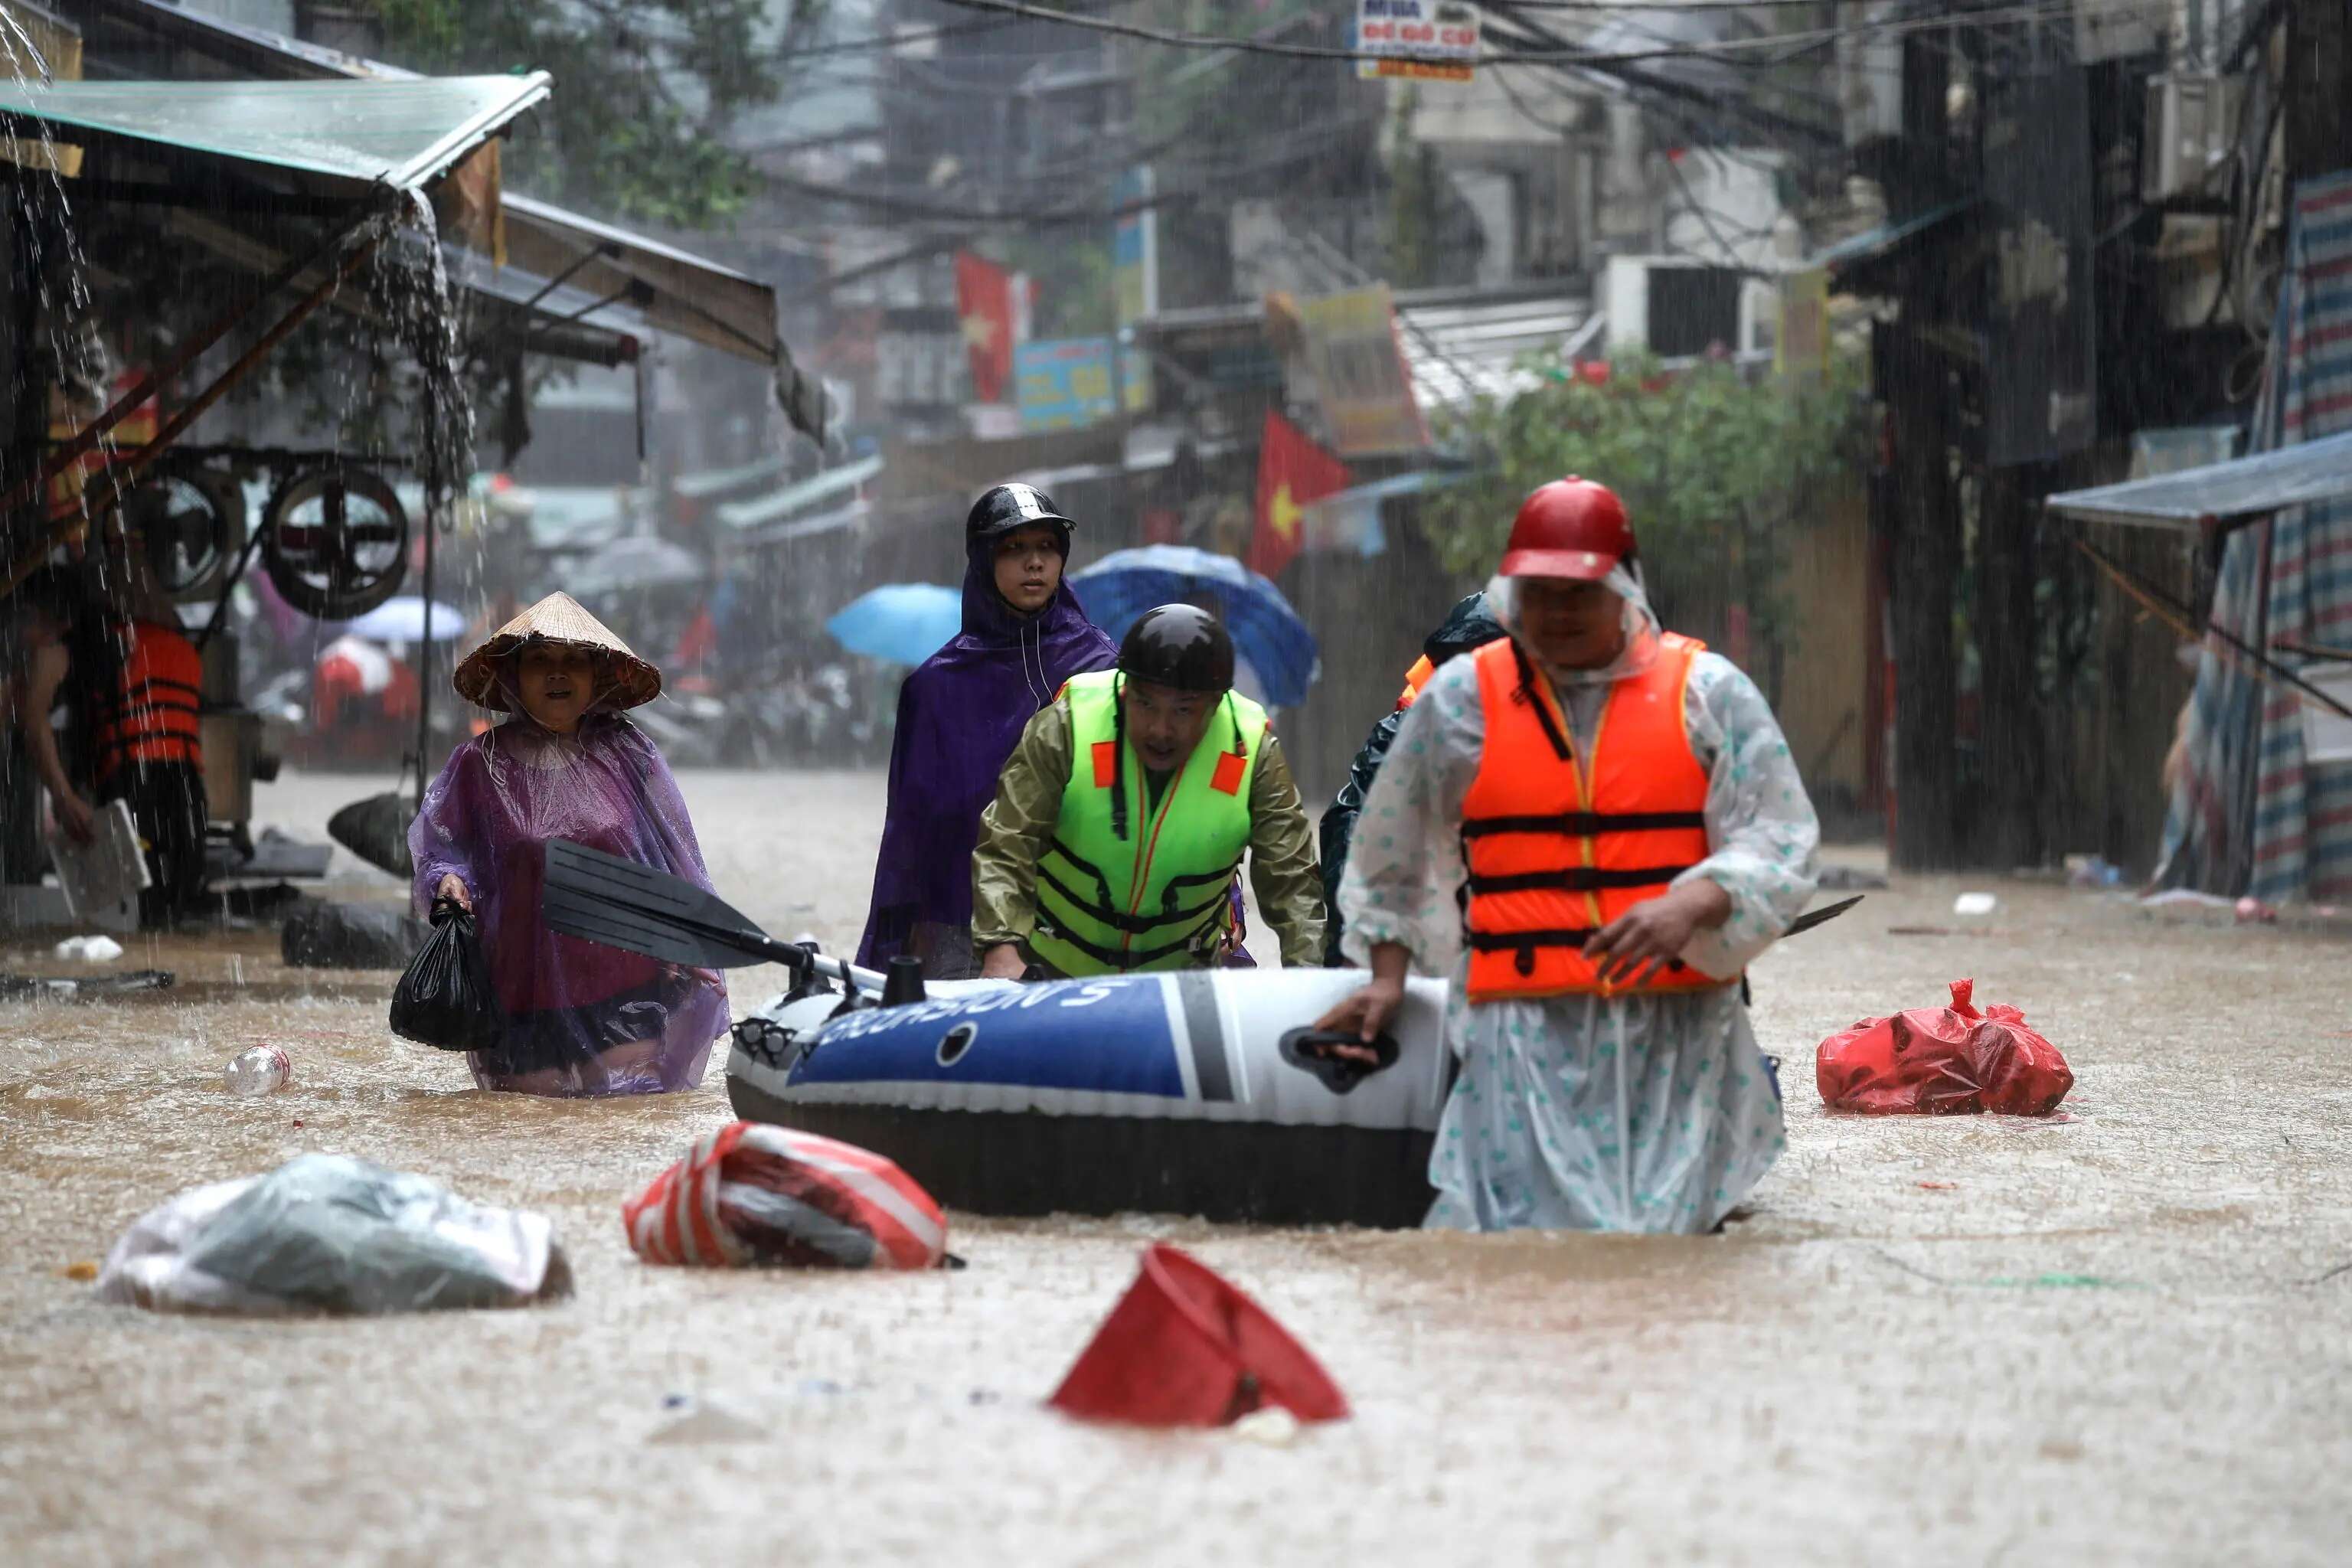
(1671, 307)
(2192, 125)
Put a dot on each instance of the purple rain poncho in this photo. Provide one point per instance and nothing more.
(958, 717)
(582, 1017)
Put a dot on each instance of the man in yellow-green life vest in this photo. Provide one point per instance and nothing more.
(1122, 820)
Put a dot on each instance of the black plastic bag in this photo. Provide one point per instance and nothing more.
(446, 999)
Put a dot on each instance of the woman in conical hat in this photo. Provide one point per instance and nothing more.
(581, 1018)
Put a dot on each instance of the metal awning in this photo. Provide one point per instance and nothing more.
(2221, 495)
(559, 322)
(832, 522)
(705, 483)
(1458, 352)
(682, 293)
(778, 505)
(673, 290)
(551, 319)
(347, 138)
(1854, 264)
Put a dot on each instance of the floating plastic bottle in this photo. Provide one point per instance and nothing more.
(258, 1071)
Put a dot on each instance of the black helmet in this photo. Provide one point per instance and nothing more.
(1180, 646)
(1005, 508)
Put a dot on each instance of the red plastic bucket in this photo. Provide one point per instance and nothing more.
(1186, 1348)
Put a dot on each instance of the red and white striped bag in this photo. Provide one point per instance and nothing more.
(756, 1193)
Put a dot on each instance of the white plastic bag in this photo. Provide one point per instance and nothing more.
(326, 1233)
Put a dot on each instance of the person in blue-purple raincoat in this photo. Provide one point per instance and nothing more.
(1025, 633)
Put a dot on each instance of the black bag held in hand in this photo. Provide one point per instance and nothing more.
(446, 999)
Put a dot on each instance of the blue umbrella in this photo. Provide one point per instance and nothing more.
(1267, 633)
(901, 623)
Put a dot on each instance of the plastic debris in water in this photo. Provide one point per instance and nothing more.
(705, 1423)
(257, 1070)
(1975, 904)
(1270, 1425)
(90, 949)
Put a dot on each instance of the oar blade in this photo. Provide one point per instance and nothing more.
(1825, 914)
(604, 899)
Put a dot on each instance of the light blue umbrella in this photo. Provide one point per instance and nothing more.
(901, 623)
(403, 620)
(1267, 634)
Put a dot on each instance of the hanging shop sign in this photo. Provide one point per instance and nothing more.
(1417, 40)
(1066, 384)
(1360, 374)
(1801, 349)
(1135, 247)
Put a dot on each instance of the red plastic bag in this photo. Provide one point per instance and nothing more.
(753, 1193)
(1943, 1061)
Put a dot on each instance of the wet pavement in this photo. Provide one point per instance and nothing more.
(2116, 1338)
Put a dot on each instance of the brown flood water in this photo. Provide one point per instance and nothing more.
(2098, 1341)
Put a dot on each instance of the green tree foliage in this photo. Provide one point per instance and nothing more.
(645, 90)
(1716, 470)
(1077, 292)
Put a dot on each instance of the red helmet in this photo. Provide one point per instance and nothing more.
(1569, 528)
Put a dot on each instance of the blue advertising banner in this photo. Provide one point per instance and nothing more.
(1066, 384)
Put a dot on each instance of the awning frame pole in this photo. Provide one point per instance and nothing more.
(475, 348)
(72, 519)
(82, 440)
(2131, 582)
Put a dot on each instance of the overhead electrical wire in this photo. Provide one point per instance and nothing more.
(877, 43)
(1726, 49)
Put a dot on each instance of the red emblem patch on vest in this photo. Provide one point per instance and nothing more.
(1227, 780)
(1105, 762)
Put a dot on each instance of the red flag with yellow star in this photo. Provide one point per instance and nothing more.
(1293, 473)
(986, 309)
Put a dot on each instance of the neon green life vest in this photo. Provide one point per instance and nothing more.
(1156, 897)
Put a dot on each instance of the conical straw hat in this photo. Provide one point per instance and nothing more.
(622, 680)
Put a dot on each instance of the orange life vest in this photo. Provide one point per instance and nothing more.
(1557, 850)
(1414, 679)
(152, 717)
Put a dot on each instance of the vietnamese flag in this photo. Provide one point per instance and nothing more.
(1293, 473)
(986, 306)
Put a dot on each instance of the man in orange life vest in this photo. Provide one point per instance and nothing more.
(1623, 817)
(134, 687)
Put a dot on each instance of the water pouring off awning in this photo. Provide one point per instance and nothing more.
(609, 283)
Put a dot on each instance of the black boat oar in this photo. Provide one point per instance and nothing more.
(601, 898)
(621, 903)
(1827, 912)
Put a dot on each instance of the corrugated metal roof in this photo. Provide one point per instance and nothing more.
(780, 504)
(1459, 352)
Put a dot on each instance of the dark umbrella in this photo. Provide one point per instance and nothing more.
(1267, 633)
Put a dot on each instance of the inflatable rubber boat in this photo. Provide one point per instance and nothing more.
(1203, 1093)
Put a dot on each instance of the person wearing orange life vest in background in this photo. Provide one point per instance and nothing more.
(135, 689)
(1468, 626)
(1621, 813)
